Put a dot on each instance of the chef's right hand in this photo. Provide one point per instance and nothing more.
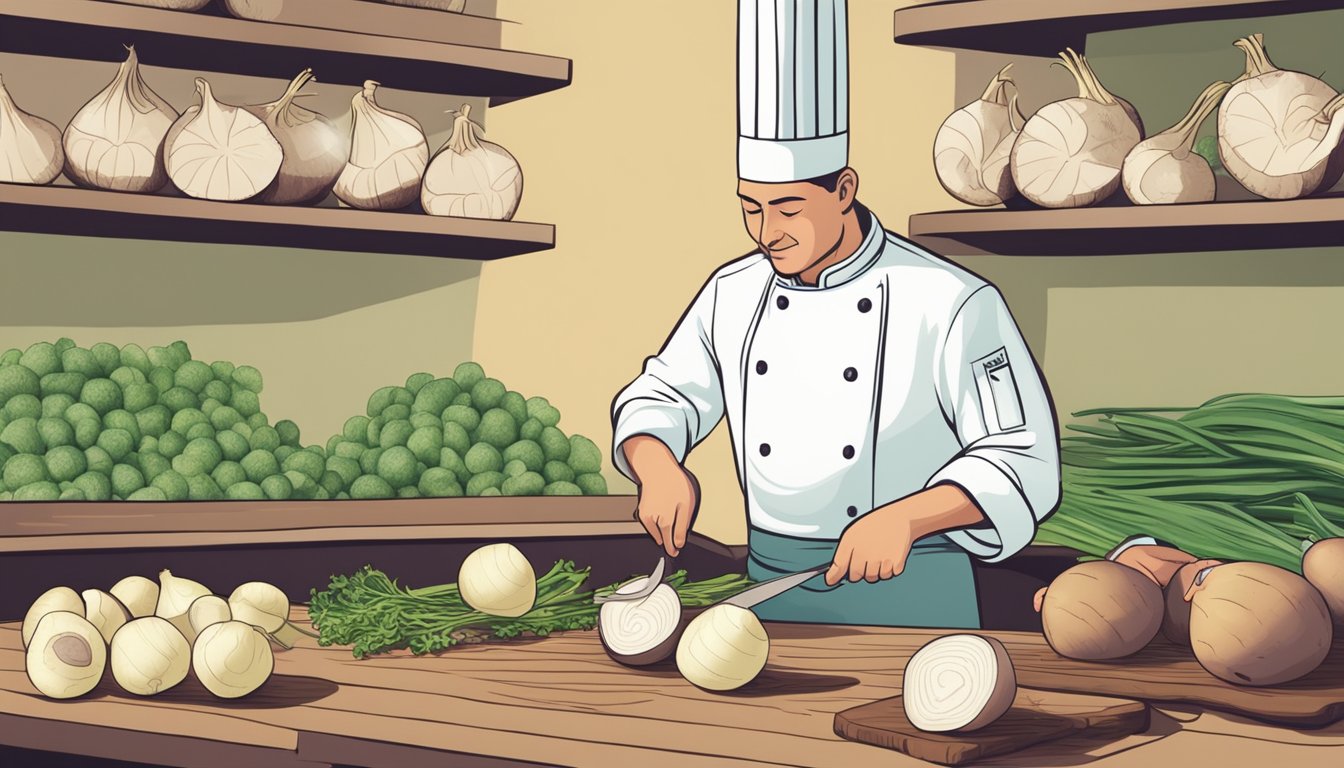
(669, 495)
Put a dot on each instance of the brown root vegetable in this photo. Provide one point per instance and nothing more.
(1101, 610)
(1176, 618)
(1165, 168)
(1257, 624)
(1323, 566)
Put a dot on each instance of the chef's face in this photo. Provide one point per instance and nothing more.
(797, 224)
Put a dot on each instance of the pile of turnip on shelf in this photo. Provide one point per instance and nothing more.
(152, 634)
(1278, 135)
(128, 139)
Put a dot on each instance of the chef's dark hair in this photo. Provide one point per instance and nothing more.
(827, 182)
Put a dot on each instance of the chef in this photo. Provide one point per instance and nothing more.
(886, 416)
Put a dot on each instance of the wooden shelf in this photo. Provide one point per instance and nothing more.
(94, 30)
(99, 213)
(1045, 27)
(1129, 229)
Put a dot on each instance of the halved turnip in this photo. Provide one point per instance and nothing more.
(958, 683)
(1101, 610)
(643, 630)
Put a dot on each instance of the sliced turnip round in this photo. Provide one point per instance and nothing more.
(958, 683)
(642, 630)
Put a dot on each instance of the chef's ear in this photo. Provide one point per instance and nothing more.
(847, 187)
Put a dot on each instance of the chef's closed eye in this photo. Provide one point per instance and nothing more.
(789, 214)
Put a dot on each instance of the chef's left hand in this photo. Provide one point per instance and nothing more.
(874, 547)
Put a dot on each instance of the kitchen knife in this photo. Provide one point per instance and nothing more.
(776, 586)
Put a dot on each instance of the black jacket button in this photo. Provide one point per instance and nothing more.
(761, 367)
(865, 304)
(851, 374)
(848, 452)
(782, 302)
(765, 449)
(852, 511)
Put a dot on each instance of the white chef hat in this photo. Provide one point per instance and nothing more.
(792, 89)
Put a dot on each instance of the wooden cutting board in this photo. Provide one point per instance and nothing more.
(1035, 717)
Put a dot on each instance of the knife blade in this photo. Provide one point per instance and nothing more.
(773, 587)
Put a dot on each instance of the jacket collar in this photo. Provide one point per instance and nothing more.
(849, 269)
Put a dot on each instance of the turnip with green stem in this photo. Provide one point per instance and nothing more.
(1164, 168)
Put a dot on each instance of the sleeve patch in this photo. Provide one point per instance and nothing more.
(1000, 401)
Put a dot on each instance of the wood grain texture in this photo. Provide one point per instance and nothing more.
(1035, 717)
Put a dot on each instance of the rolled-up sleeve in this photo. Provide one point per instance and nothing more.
(678, 398)
(996, 399)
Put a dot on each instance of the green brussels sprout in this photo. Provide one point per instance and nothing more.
(65, 463)
(7, 495)
(41, 491)
(180, 351)
(451, 460)
(41, 358)
(557, 472)
(288, 431)
(554, 444)
(396, 465)
(374, 432)
(203, 488)
(138, 397)
(153, 464)
(332, 482)
(133, 355)
(232, 445)
(228, 474)
(307, 463)
(60, 384)
(55, 406)
(483, 457)
(498, 428)
(72, 494)
(356, 428)
(209, 405)
(78, 412)
(245, 491)
(245, 402)
(199, 431)
(332, 442)
(126, 480)
(437, 481)
(371, 487)
(187, 418)
(277, 487)
(463, 415)
(179, 399)
(148, 444)
(527, 452)
(584, 455)
(63, 343)
(98, 460)
(526, 484)
(205, 453)
(592, 484)
(217, 390)
(317, 449)
(256, 420)
(125, 376)
(173, 485)
(463, 398)
(477, 485)
(562, 489)
(516, 405)
(10, 357)
(23, 407)
(420, 420)
(225, 417)
(368, 461)
(22, 436)
(386, 396)
(350, 450)
(530, 430)
(396, 412)
(342, 496)
(5, 453)
(417, 380)
(148, 493)
(243, 430)
(193, 375)
(182, 464)
(117, 442)
(455, 436)
(87, 432)
(161, 378)
(17, 380)
(106, 355)
(409, 492)
(426, 443)
(540, 408)
(23, 469)
(514, 468)
(95, 485)
(102, 395)
(259, 465)
(248, 378)
(264, 438)
(133, 459)
(223, 370)
(491, 492)
(154, 420)
(120, 419)
(487, 394)
(435, 396)
(395, 433)
(77, 360)
(467, 374)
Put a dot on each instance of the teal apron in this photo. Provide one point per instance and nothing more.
(936, 589)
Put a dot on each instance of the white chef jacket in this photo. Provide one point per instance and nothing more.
(899, 370)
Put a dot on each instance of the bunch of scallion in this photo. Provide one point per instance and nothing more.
(1241, 477)
(372, 613)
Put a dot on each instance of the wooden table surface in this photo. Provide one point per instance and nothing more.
(560, 700)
